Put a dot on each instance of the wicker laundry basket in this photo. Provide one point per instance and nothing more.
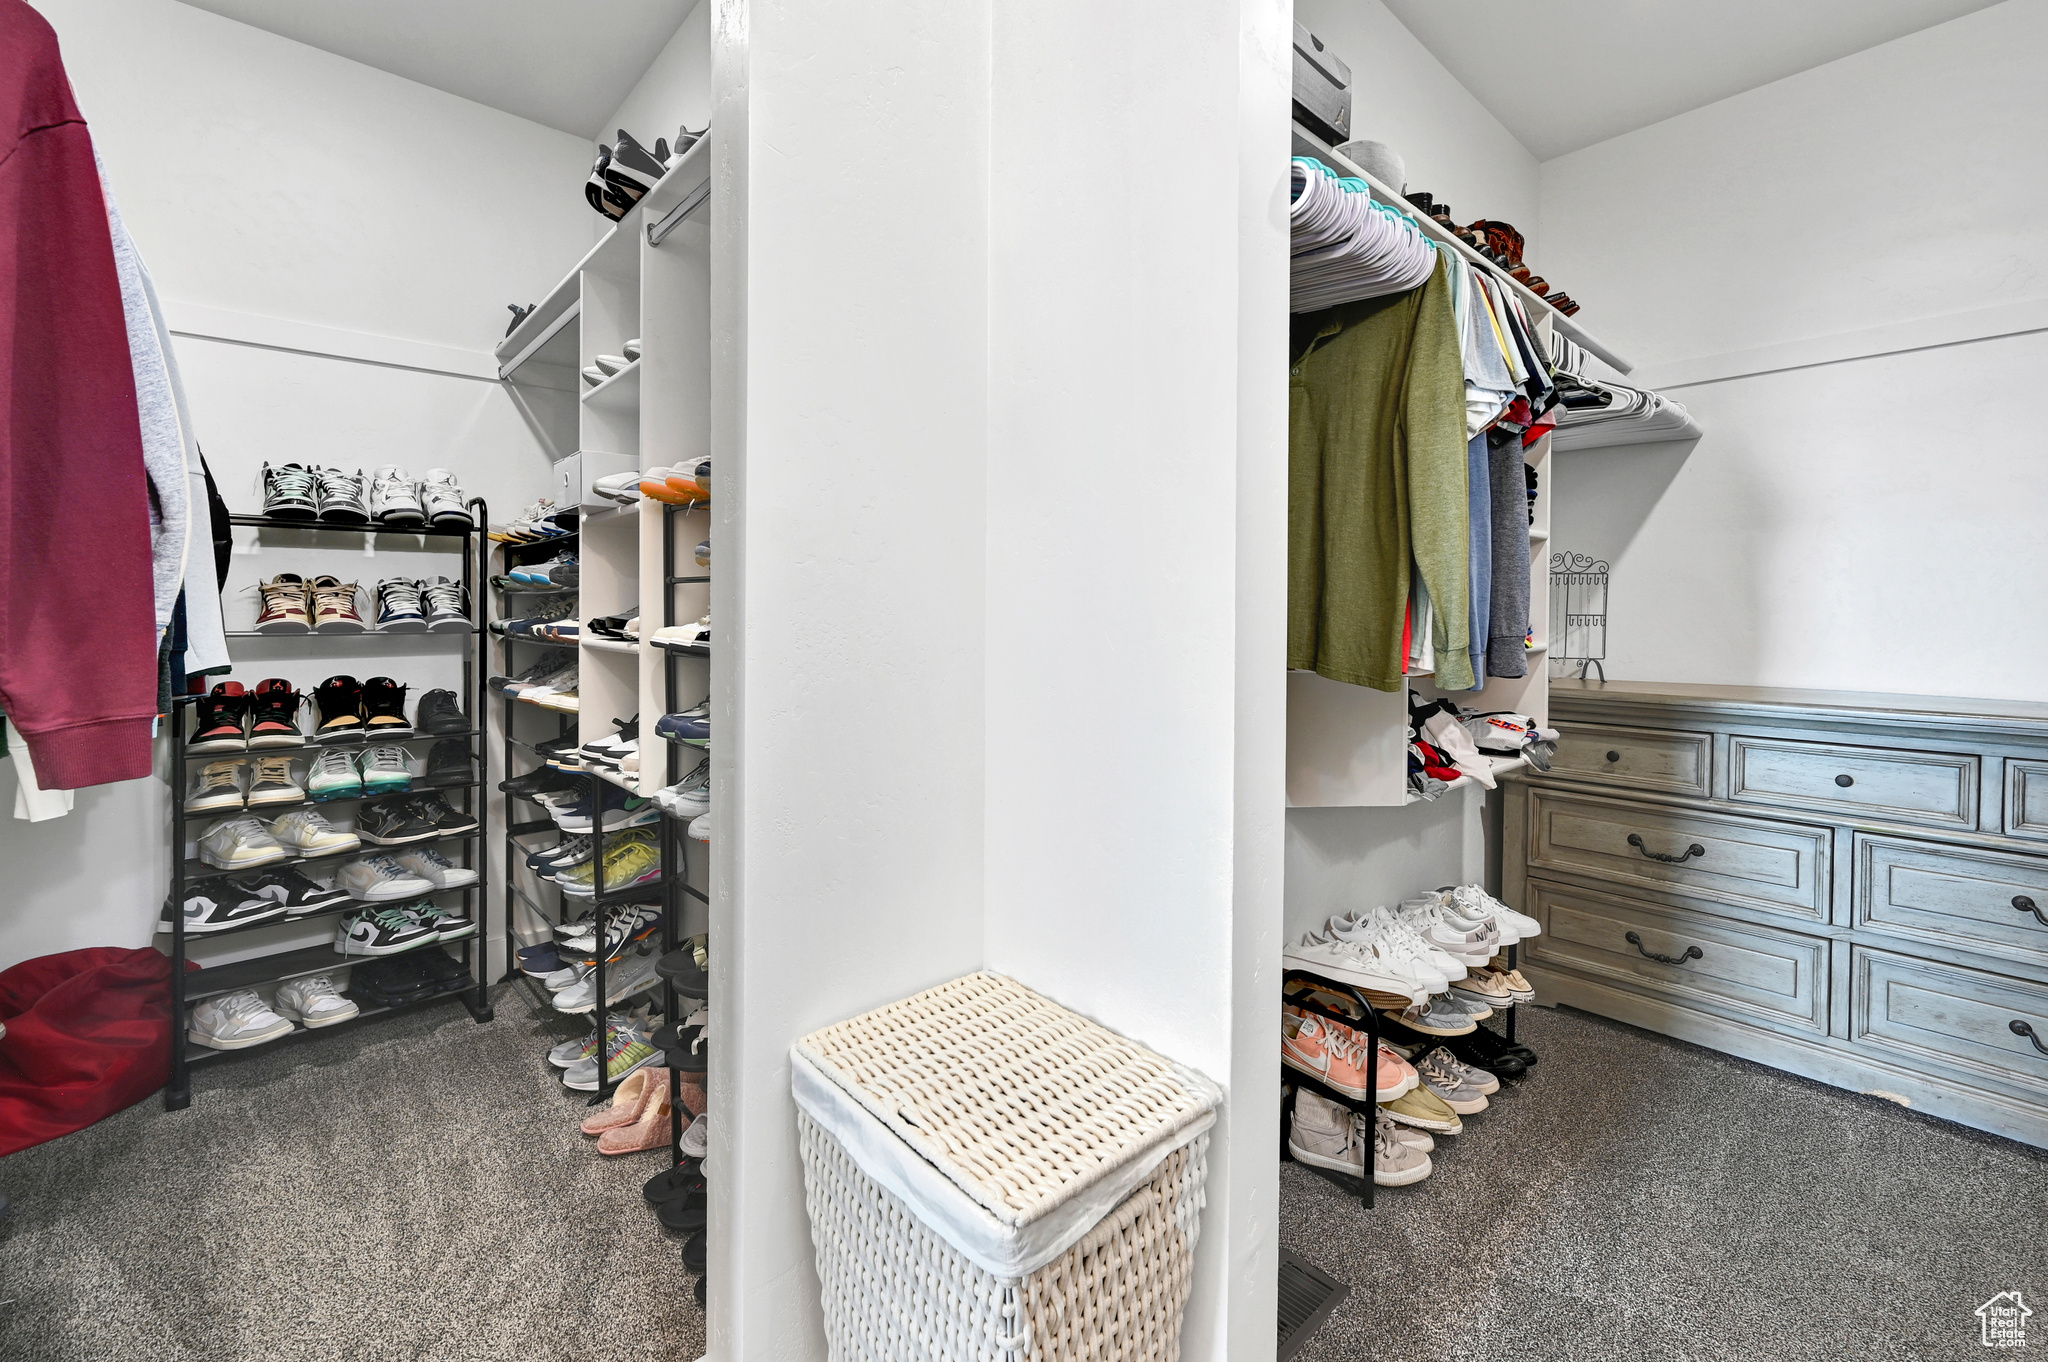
(990, 1176)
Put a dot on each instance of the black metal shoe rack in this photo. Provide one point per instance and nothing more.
(602, 900)
(675, 861)
(189, 989)
(1365, 1107)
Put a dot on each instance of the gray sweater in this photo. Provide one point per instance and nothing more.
(1507, 653)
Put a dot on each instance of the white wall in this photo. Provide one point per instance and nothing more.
(1137, 325)
(1805, 266)
(675, 92)
(377, 228)
(1403, 96)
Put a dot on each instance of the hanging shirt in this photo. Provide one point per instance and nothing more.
(1377, 468)
(78, 637)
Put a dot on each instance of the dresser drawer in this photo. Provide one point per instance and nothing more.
(1668, 762)
(2026, 800)
(1915, 787)
(1753, 974)
(1745, 862)
(1988, 901)
(1950, 1022)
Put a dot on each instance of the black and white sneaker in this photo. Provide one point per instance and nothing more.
(445, 819)
(633, 169)
(442, 500)
(598, 191)
(342, 499)
(298, 894)
(395, 497)
(393, 823)
(382, 931)
(290, 492)
(447, 605)
(221, 905)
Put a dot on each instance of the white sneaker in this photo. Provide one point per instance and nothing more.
(1469, 944)
(313, 1002)
(306, 832)
(395, 497)
(442, 500)
(1470, 899)
(235, 1021)
(238, 843)
(379, 879)
(381, 931)
(1348, 964)
(1402, 948)
(436, 869)
(700, 827)
(1444, 963)
(622, 979)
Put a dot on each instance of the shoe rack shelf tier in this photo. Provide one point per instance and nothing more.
(1361, 1106)
(280, 949)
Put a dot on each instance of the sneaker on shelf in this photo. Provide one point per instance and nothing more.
(1483, 985)
(274, 714)
(656, 483)
(610, 364)
(235, 1021)
(290, 492)
(218, 905)
(384, 709)
(220, 721)
(287, 605)
(539, 960)
(623, 488)
(395, 497)
(551, 663)
(1473, 901)
(313, 1002)
(333, 775)
(240, 844)
(695, 1142)
(545, 780)
(444, 971)
(700, 827)
(1482, 1048)
(447, 605)
(217, 786)
(549, 611)
(1382, 923)
(692, 726)
(1393, 944)
(548, 861)
(381, 931)
(394, 824)
(608, 749)
(445, 923)
(440, 713)
(1349, 964)
(271, 782)
(696, 634)
(626, 1050)
(296, 893)
(380, 879)
(622, 980)
(339, 700)
(1467, 942)
(392, 982)
(1324, 1134)
(449, 763)
(571, 1051)
(1320, 1049)
(568, 976)
(342, 499)
(1473, 1077)
(1395, 1076)
(446, 819)
(431, 866)
(306, 832)
(1424, 1110)
(617, 809)
(1430, 1020)
(703, 554)
(1451, 1004)
(1519, 986)
(1396, 1160)
(386, 769)
(624, 926)
(633, 169)
(689, 797)
(334, 606)
(1447, 1084)
(399, 609)
(442, 500)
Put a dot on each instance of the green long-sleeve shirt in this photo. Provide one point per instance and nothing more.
(1377, 470)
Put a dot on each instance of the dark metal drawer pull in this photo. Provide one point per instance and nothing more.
(1635, 839)
(1614, 756)
(2027, 905)
(1845, 781)
(2020, 1028)
(1695, 953)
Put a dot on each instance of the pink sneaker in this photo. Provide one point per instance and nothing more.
(1396, 1076)
(1324, 1050)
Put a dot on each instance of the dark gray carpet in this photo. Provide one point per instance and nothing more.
(1639, 1197)
(412, 1188)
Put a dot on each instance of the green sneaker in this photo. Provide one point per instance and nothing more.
(385, 770)
(626, 1049)
(334, 776)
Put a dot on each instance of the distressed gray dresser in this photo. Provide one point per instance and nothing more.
(1850, 887)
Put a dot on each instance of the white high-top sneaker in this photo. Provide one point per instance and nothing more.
(1471, 900)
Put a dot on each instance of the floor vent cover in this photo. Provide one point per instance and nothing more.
(1307, 1296)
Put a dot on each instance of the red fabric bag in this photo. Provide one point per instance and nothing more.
(88, 1033)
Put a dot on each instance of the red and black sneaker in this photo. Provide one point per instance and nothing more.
(219, 723)
(274, 714)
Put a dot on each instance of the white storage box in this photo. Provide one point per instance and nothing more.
(991, 1176)
(577, 474)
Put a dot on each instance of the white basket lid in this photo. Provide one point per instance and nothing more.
(1020, 1103)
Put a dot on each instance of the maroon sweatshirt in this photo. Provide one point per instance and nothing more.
(78, 671)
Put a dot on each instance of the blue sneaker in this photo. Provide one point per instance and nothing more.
(540, 959)
(692, 726)
(621, 810)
